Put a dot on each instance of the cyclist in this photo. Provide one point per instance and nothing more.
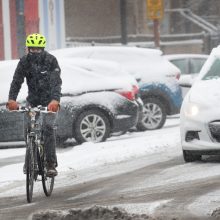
(42, 73)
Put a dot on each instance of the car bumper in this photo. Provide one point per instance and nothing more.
(125, 121)
(197, 136)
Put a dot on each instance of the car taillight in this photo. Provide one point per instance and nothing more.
(127, 94)
(135, 89)
(130, 95)
(178, 76)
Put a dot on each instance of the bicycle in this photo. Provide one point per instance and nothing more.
(35, 159)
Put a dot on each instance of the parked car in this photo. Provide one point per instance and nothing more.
(93, 104)
(189, 65)
(200, 117)
(157, 78)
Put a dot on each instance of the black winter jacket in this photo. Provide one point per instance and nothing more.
(42, 74)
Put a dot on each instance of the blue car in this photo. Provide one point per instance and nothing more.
(156, 76)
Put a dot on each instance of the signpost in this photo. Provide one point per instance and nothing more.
(155, 12)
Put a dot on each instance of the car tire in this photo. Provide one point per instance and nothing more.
(92, 125)
(154, 114)
(189, 157)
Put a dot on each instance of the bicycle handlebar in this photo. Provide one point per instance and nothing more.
(39, 108)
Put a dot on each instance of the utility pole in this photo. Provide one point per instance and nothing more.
(20, 27)
(123, 15)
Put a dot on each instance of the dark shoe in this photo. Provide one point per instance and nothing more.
(51, 170)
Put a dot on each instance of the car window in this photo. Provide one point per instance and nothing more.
(214, 71)
(182, 64)
(196, 65)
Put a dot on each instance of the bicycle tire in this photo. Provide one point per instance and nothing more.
(47, 182)
(30, 171)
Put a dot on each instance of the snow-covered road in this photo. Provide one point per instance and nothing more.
(141, 172)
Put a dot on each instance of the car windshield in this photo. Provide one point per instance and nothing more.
(214, 71)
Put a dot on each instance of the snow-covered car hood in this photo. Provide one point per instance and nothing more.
(206, 92)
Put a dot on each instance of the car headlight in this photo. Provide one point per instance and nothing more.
(191, 110)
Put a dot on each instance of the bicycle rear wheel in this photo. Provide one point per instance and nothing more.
(47, 182)
(30, 171)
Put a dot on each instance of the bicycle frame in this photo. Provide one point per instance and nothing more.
(35, 129)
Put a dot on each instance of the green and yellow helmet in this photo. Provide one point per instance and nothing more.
(35, 40)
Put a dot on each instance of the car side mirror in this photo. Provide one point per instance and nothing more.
(186, 81)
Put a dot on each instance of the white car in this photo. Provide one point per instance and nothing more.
(200, 112)
(157, 78)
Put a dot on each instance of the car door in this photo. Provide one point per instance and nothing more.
(11, 125)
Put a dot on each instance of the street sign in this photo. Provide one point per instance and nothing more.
(155, 9)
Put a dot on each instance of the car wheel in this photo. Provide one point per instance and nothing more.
(189, 157)
(154, 115)
(92, 125)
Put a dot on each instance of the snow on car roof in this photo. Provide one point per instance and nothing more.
(185, 55)
(90, 79)
(86, 51)
(104, 67)
(145, 63)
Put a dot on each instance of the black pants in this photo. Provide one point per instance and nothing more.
(49, 133)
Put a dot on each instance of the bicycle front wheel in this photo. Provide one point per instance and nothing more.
(48, 183)
(30, 171)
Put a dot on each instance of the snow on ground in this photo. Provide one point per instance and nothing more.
(212, 201)
(140, 208)
(74, 161)
(85, 162)
(11, 152)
